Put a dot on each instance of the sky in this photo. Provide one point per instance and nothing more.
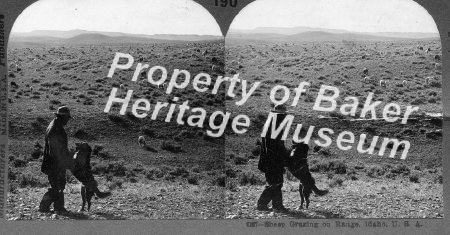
(352, 15)
(127, 16)
(188, 17)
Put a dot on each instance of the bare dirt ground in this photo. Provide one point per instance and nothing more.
(194, 176)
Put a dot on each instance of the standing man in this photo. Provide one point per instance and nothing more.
(56, 160)
(272, 159)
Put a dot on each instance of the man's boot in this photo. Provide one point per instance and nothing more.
(47, 201)
(277, 202)
(59, 204)
(264, 199)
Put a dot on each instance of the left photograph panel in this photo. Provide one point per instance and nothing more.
(113, 108)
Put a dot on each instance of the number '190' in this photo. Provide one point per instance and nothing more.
(225, 3)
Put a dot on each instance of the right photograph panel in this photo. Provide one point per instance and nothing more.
(345, 110)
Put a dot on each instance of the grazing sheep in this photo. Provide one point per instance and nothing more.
(428, 50)
(366, 79)
(234, 62)
(162, 85)
(343, 83)
(31, 88)
(404, 83)
(141, 141)
(437, 65)
(437, 57)
(383, 83)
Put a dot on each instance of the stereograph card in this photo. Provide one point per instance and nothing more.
(224, 116)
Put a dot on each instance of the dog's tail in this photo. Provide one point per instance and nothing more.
(102, 194)
(319, 192)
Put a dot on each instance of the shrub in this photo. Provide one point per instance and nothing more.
(11, 174)
(435, 84)
(221, 180)
(256, 151)
(230, 173)
(117, 168)
(37, 153)
(132, 180)
(401, 169)
(353, 177)
(19, 162)
(338, 166)
(131, 116)
(99, 168)
(83, 135)
(32, 180)
(153, 173)
(336, 182)
(179, 171)
(418, 101)
(375, 171)
(170, 177)
(118, 120)
(337, 115)
(117, 183)
(369, 128)
(97, 149)
(148, 131)
(13, 187)
(390, 175)
(104, 155)
(414, 178)
(193, 179)
(231, 185)
(170, 146)
(185, 134)
(55, 102)
(316, 166)
(195, 169)
(249, 177)
(240, 160)
(438, 179)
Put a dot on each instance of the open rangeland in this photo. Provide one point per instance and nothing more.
(181, 172)
(361, 185)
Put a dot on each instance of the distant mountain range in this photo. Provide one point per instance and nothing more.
(305, 34)
(321, 34)
(96, 37)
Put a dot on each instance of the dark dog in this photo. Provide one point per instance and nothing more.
(298, 165)
(82, 171)
(87, 194)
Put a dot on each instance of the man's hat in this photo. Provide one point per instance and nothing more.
(63, 111)
(279, 108)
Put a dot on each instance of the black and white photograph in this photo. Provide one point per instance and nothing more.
(357, 85)
(153, 110)
(77, 150)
